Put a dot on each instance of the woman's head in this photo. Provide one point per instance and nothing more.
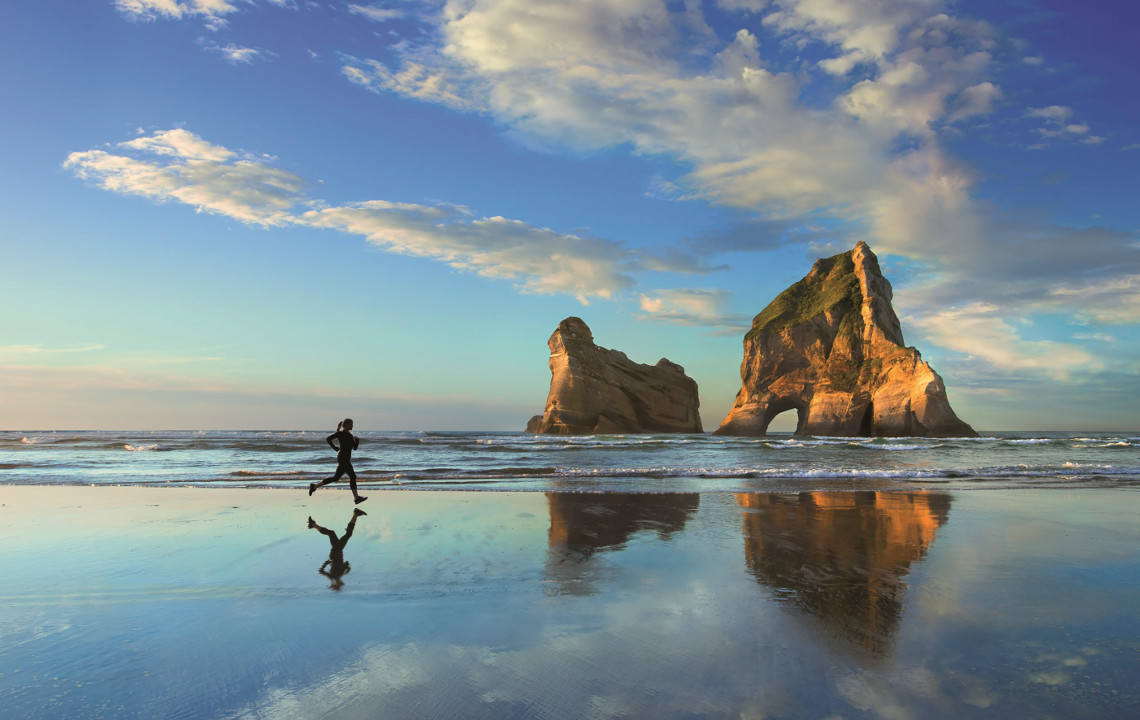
(346, 424)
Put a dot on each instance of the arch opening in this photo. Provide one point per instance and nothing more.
(867, 424)
(779, 410)
(786, 422)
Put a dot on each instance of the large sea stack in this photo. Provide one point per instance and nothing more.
(598, 391)
(831, 348)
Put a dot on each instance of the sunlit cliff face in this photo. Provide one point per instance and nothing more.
(841, 557)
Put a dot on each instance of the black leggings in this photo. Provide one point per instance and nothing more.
(341, 469)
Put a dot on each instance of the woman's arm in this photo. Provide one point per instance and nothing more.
(329, 440)
(355, 442)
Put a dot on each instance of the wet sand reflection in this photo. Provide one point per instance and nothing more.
(840, 557)
(336, 567)
(583, 524)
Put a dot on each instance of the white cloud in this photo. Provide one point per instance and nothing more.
(1027, 266)
(1054, 113)
(975, 100)
(979, 331)
(644, 75)
(605, 73)
(178, 165)
(910, 96)
(414, 79)
(375, 13)
(182, 144)
(692, 306)
(865, 31)
(1108, 300)
(543, 261)
(924, 210)
(1056, 124)
(235, 54)
(211, 11)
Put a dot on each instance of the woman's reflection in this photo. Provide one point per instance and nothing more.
(336, 565)
(840, 556)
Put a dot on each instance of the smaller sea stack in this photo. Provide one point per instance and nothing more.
(598, 391)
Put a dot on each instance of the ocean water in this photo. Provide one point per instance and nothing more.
(496, 461)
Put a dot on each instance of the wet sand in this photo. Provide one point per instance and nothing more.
(209, 603)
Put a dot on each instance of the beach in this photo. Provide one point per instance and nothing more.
(131, 602)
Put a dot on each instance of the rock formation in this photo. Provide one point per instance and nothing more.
(831, 348)
(594, 390)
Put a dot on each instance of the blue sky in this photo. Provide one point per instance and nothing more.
(276, 213)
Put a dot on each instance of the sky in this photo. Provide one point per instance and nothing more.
(273, 214)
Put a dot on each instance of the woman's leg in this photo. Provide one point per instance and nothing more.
(356, 496)
(340, 470)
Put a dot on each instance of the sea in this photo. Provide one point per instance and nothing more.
(500, 461)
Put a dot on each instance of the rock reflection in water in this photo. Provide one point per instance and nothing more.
(583, 524)
(840, 557)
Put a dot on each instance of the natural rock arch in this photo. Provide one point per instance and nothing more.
(831, 346)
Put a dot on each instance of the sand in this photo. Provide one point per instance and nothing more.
(123, 602)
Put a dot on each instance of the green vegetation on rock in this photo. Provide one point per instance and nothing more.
(832, 285)
(844, 378)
